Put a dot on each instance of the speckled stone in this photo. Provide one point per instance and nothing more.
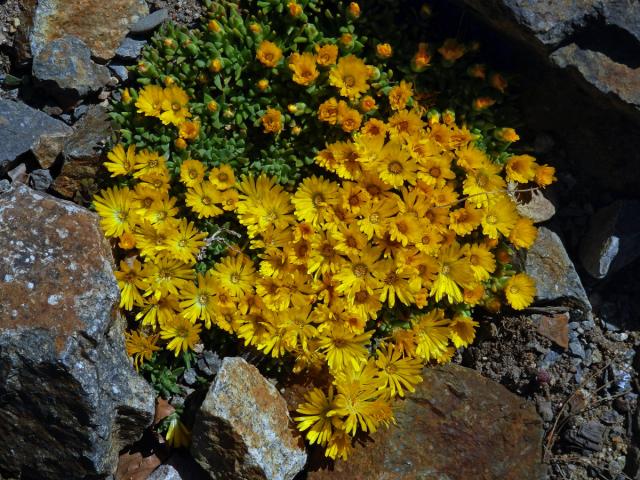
(243, 431)
(69, 397)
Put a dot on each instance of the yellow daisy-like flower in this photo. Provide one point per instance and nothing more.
(396, 371)
(326, 54)
(400, 95)
(150, 100)
(313, 199)
(202, 199)
(236, 274)
(130, 281)
(344, 349)
(524, 233)
(454, 272)
(500, 217)
(328, 111)
(121, 162)
(222, 177)
(520, 290)
(432, 334)
(521, 168)
(481, 260)
(451, 50)
(140, 347)
(165, 275)
(304, 68)
(545, 175)
(185, 241)
(463, 330)
(395, 166)
(197, 301)
(350, 76)
(116, 207)
(314, 416)
(272, 121)
(348, 118)
(174, 106)
(181, 333)
(269, 54)
(192, 172)
(189, 130)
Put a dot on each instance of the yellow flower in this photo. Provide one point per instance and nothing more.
(405, 124)
(367, 104)
(313, 199)
(545, 175)
(344, 349)
(396, 371)
(165, 275)
(140, 347)
(272, 121)
(314, 416)
(465, 220)
(451, 50)
(269, 54)
(174, 106)
(524, 233)
(304, 68)
(295, 10)
(150, 100)
(326, 54)
(222, 177)
(500, 217)
(520, 290)
(212, 106)
(328, 111)
(215, 65)
(180, 143)
(181, 333)
(454, 272)
(400, 95)
(214, 26)
(354, 9)
(130, 282)
(432, 334)
(189, 130)
(348, 118)
(197, 302)
(350, 76)
(121, 163)
(178, 435)
(192, 172)
(117, 211)
(358, 273)
(395, 166)
(422, 58)
(127, 241)
(384, 50)
(202, 199)
(185, 241)
(375, 217)
(521, 168)
(396, 281)
(463, 330)
(508, 135)
(481, 260)
(236, 274)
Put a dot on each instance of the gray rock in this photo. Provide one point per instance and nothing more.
(150, 22)
(120, 71)
(243, 431)
(538, 208)
(65, 65)
(98, 23)
(68, 393)
(5, 186)
(130, 49)
(165, 472)
(588, 437)
(22, 128)
(613, 239)
(18, 174)
(576, 349)
(90, 135)
(189, 376)
(556, 277)
(40, 179)
(545, 409)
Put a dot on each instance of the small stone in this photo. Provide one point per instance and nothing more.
(588, 436)
(165, 472)
(100, 24)
(130, 49)
(150, 22)
(48, 147)
(189, 376)
(545, 409)
(243, 430)
(610, 417)
(21, 130)
(120, 71)
(5, 186)
(18, 174)
(555, 275)
(577, 349)
(40, 179)
(538, 208)
(550, 358)
(555, 328)
(65, 65)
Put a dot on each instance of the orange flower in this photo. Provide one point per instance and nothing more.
(498, 82)
(326, 54)
(354, 9)
(422, 58)
(272, 121)
(451, 50)
(269, 54)
(328, 111)
(384, 50)
(304, 68)
(348, 118)
(367, 104)
(482, 103)
(295, 10)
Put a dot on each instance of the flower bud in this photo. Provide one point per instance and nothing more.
(354, 10)
(180, 143)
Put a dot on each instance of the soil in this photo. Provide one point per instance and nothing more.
(184, 12)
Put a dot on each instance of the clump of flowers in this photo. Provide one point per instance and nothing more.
(287, 191)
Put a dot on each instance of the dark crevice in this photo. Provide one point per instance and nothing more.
(614, 42)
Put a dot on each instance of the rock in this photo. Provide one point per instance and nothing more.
(100, 25)
(120, 71)
(22, 129)
(40, 179)
(83, 155)
(165, 472)
(538, 208)
(613, 239)
(65, 66)
(457, 425)
(186, 466)
(18, 174)
(209, 363)
(130, 49)
(545, 409)
(150, 22)
(588, 436)
(576, 349)
(48, 147)
(243, 430)
(69, 395)
(190, 376)
(556, 277)
(554, 327)
(5, 186)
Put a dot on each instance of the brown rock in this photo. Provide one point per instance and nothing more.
(555, 328)
(48, 147)
(100, 24)
(458, 425)
(243, 431)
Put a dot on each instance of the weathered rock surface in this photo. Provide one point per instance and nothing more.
(151, 21)
(613, 239)
(100, 25)
(65, 65)
(538, 208)
(458, 425)
(130, 49)
(555, 275)
(69, 397)
(23, 128)
(165, 472)
(243, 431)
(600, 39)
(83, 155)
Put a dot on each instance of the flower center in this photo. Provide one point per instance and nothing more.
(202, 298)
(360, 270)
(474, 260)
(492, 219)
(446, 269)
(175, 107)
(317, 199)
(193, 174)
(206, 201)
(395, 167)
(481, 180)
(513, 289)
(349, 81)
(435, 172)
(374, 218)
(235, 278)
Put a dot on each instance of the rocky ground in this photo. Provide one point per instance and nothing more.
(568, 405)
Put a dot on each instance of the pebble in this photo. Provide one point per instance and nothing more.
(190, 376)
(5, 186)
(576, 349)
(151, 21)
(545, 409)
(40, 179)
(120, 71)
(130, 49)
(610, 417)
(550, 358)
